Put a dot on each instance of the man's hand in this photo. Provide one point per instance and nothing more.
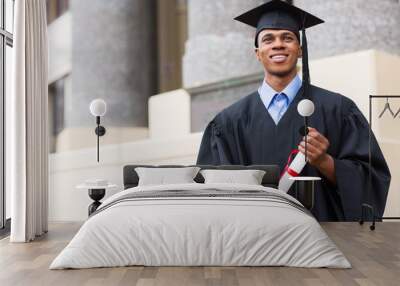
(317, 145)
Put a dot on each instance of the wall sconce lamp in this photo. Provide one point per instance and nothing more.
(98, 108)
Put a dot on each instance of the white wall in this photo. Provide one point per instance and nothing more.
(59, 37)
(67, 139)
(169, 114)
(353, 75)
(386, 128)
(69, 169)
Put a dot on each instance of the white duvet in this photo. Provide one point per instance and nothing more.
(200, 231)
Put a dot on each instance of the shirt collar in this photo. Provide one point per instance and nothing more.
(267, 92)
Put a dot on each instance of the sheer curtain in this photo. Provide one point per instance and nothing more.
(26, 123)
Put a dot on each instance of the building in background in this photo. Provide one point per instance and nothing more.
(121, 51)
(126, 51)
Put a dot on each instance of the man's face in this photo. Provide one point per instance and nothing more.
(278, 51)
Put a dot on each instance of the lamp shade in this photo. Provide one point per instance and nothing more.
(305, 107)
(98, 107)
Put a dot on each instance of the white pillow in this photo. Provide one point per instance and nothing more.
(164, 176)
(248, 177)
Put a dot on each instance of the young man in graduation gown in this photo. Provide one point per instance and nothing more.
(263, 127)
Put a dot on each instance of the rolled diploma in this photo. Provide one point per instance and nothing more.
(294, 169)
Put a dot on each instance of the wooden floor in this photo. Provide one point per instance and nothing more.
(375, 256)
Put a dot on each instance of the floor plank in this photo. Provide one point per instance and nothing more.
(374, 255)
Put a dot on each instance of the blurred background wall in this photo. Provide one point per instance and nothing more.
(166, 67)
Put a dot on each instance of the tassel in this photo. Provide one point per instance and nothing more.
(306, 71)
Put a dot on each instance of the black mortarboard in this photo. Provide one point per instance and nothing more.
(277, 14)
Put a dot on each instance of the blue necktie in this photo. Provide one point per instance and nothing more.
(279, 106)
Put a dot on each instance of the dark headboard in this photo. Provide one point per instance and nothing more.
(271, 177)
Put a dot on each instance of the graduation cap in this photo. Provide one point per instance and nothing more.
(280, 15)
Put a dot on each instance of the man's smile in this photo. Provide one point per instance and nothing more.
(279, 58)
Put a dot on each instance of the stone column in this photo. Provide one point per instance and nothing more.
(218, 47)
(113, 58)
(352, 26)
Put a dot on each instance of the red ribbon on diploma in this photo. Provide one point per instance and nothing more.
(291, 172)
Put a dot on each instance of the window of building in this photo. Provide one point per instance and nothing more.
(56, 110)
(172, 35)
(55, 8)
(6, 44)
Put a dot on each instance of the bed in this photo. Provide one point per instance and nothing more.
(201, 224)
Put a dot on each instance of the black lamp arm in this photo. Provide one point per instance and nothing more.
(100, 131)
(305, 132)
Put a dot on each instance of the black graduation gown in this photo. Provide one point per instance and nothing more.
(245, 134)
